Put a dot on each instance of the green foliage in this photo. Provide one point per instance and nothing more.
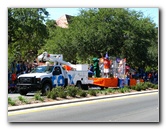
(149, 84)
(26, 32)
(9, 99)
(138, 88)
(72, 91)
(120, 31)
(22, 99)
(60, 92)
(37, 96)
(92, 92)
(127, 88)
(132, 87)
(82, 93)
(111, 90)
(122, 90)
(105, 92)
(155, 86)
(11, 102)
(52, 94)
(144, 86)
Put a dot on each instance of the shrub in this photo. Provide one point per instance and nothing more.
(132, 87)
(37, 96)
(72, 91)
(149, 84)
(143, 87)
(156, 87)
(122, 90)
(126, 89)
(82, 93)
(9, 99)
(62, 94)
(48, 94)
(111, 90)
(106, 93)
(53, 95)
(54, 92)
(59, 92)
(97, 91)
(22, 99)
(92, 92)
(138, 87)
(11, 102)
(153, 85)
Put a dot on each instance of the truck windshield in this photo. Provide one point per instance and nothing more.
(42, 69)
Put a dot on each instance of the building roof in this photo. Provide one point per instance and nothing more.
(64, 20)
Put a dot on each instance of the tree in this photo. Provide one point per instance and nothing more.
(120, 32)
(26, 31)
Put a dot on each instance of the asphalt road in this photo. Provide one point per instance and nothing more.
(135, 108)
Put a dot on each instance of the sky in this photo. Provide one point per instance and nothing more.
(56, 13)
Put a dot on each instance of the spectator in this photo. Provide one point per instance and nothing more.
(13, 66)
(18, 68)
(91, 68)
(150, 76)
(156, 78)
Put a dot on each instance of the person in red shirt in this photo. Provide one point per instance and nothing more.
(106, 67)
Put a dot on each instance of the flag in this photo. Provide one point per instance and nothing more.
(106, 55)
(118, 59)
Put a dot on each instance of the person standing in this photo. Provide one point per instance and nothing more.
(18, 68)
(106, 66)
(13, 67)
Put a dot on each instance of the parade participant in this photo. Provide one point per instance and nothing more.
(96, 67)
(106, 66)
(101, 65)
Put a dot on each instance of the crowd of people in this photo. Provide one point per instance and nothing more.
(146, 76)
(106, 70)
(15, 69)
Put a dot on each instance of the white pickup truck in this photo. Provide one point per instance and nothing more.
(44, 78)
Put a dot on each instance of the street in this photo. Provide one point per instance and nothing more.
(135, 108)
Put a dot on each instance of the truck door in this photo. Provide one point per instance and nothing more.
(58, 78)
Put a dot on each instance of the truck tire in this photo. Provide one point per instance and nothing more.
(23, 92)
(46, 87)
(66, 82)
(79, 85)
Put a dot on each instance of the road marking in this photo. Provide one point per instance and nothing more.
(26, 111)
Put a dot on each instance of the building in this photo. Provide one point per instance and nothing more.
(64, 20)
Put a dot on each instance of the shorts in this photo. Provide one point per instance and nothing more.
(106, 70)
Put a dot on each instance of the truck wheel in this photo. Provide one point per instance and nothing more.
(46, 88)
(23, 92)
(79, 85)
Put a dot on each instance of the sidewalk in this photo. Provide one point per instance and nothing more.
(36, 105)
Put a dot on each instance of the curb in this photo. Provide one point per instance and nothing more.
(37, 105)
